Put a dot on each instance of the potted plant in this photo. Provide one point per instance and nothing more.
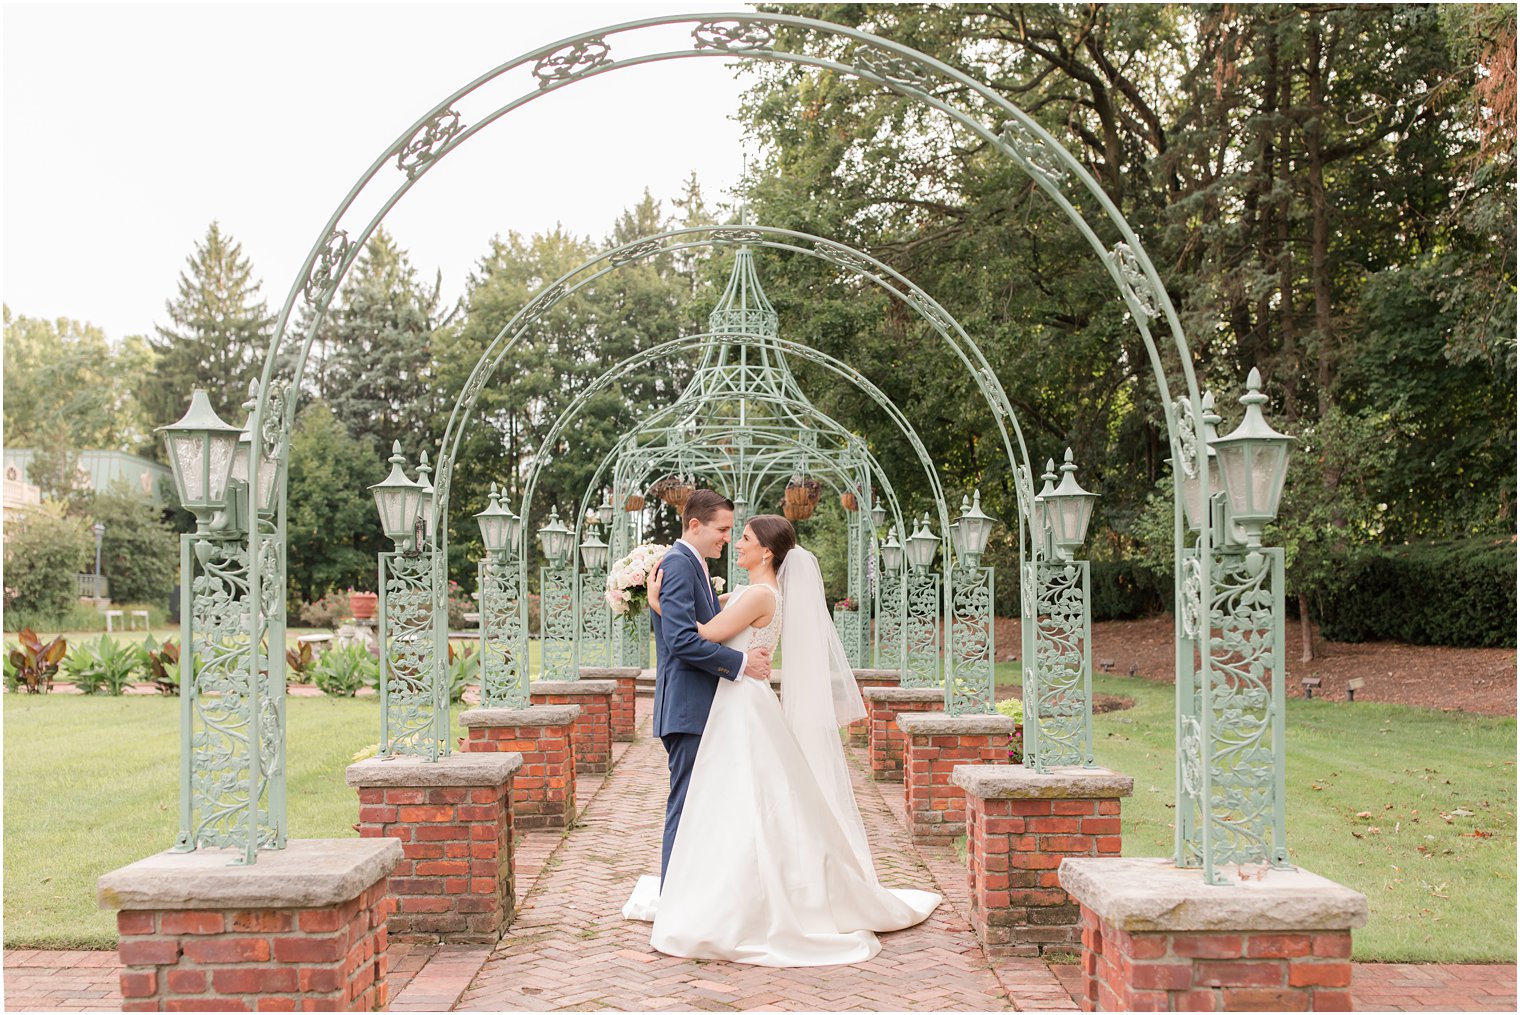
(363, 605)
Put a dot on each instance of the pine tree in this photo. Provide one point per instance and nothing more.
(219, 329)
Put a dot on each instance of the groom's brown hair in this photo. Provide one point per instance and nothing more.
(703, 505)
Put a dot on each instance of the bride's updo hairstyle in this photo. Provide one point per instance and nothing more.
(775, 534)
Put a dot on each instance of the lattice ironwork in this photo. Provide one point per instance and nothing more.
(891, 606)
(557, 624)
(503, 636)
(970, 682)
(1231, 761)
(231, 730)
(1058, 698)
(921, 630)
(632, 637)
(594, 638)
(410, 709)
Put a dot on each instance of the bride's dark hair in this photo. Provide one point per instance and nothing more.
(775, 534)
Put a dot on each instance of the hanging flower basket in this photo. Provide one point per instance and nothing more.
(633, 502)
(797, 512)
(680, 493)
(848, 502)
(802, 490)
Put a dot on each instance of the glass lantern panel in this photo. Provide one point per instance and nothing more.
(267, 471)
(187, 462)
(1264, 466)
(240, 462)
(1233, 463)
(222, 448)
(389, 504)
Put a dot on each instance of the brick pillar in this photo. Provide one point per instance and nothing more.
(454, 819)
(302, 927)
(860, 732)
(543, 789)
(593, 727)
(623, 699)
(883, 705)
(1020, 825)
(1156, 938)
(935, 744)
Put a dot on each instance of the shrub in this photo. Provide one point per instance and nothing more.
(343, 672)
(1013, 708)
(43, 552)
(329, 611)
(1458, 593)
(139, 552)
(33, 662)
(108, 665)
(76, 617)
(464, 670)
(1125, 589)
(163, 665)
(459, 605)
(299, 663)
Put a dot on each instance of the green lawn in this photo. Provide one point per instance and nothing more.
(91, 784)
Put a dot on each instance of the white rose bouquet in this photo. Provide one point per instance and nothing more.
(628, 579)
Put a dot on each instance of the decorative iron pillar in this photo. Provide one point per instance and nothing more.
(557, 622)
(1231, 750)
(232, 756)
(413, 719)
(1058, 700)
(503, 636)
(921, 629)
(970, 681)
(891, 606)
(593, 645)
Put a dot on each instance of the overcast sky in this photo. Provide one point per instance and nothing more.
(128, 128)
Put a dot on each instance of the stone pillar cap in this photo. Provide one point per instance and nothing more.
(869, 674)
(940, 724)
(533, 715)
(306, 874)
(903, 693)
(591, 687)
(1149, 894)
(461, 769)
(609, 672)
(1062, 782)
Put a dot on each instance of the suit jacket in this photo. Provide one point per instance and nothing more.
(688, 666)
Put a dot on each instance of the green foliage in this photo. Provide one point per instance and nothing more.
(44, 551)
(105, 666)
(464, 671)
(344, 672)
(218, 331)
(139, 551)
(77, 617)
(1125, 589)
(1458, 593)
(333, 530)
(328, 611)
(163, 665)
(32, 664)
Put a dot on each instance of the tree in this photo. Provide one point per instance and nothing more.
(218, 332)
(331, 524)
(139, 551)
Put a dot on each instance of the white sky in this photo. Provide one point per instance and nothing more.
(129, 127)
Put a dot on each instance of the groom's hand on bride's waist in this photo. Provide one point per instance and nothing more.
(758, 664)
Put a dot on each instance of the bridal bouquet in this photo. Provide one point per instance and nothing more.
(628, 579)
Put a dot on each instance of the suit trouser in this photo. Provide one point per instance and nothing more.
(681, 751)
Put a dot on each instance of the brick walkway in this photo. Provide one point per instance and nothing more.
(570, 948)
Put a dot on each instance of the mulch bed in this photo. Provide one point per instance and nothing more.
(1478, 680)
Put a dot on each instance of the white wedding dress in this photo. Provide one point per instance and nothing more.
(770, 865)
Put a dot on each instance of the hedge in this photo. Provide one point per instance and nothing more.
(1453, 593)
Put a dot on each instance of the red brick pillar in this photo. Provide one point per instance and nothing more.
(454, 819)
(1156, 938)
(543, 789)
(935, 744)
(624, 698)
(860, 732)
(593, 727)
(1020, 825)
(302, 927)
(883, 705)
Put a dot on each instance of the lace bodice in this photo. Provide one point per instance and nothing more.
(760, 637)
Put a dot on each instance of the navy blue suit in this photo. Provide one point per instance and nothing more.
(688, 668)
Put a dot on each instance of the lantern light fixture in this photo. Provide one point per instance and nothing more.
(1253, 465)
(922, 545)
(201, 448)
(1069, 509)
(594, 551)
(975, 527)
(892, 553)
(495, 526)
(398, 499)
(555, 539)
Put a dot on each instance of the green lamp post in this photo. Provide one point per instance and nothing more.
(921, 618)
(557, 588)
(970, 682)
(398, 500)
(201, 448)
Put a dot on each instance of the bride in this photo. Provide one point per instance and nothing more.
(770, 864)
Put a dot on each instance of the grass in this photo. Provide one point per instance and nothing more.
(1367, 787)
(92, 784)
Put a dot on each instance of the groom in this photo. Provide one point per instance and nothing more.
(689, 666)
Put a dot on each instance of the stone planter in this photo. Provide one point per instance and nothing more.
(363, 605)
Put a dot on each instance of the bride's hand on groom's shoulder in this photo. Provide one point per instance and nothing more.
(654, 587)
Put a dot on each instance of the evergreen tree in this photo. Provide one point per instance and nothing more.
(218, 332)
(333, 531)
